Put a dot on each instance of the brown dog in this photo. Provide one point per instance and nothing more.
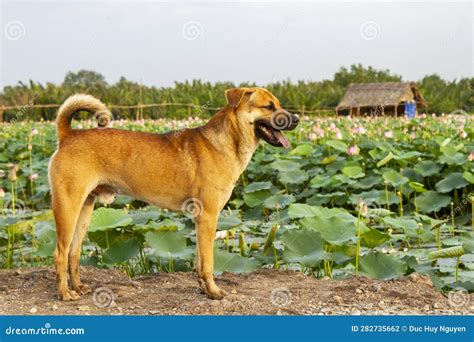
(198, 166)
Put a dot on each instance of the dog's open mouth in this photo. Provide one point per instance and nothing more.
(271, 135)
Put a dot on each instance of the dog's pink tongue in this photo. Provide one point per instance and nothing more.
(282, 139)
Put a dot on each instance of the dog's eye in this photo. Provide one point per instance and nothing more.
(269, 106)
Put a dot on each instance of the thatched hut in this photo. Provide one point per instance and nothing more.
(390, 98)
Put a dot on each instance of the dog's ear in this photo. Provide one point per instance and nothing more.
(235, 95)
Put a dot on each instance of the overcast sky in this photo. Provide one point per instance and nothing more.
(158, 43)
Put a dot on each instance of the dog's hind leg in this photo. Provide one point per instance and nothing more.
(76, 245)
(66, 208)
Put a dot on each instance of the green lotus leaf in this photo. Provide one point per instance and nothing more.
(394, 178)
(453, 181)
(232, 262)
(303, 246)
(382, 266)
(432, 201)
(108, 218)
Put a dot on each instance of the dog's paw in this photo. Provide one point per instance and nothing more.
(212, 290)
(69, 295)
(82, 289)
(216, 293)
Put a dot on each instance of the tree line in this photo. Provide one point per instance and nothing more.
(442, 96)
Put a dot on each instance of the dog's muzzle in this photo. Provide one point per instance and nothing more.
(283, 120)
(271, 130)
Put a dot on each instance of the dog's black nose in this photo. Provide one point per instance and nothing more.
(295, 118)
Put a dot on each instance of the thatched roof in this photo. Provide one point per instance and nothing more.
(380, 94)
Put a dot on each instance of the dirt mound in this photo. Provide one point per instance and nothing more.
(33, 291)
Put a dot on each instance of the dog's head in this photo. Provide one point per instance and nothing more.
(259, 111)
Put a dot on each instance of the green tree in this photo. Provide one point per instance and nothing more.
(360, 74)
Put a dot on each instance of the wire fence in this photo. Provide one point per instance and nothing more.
(19, 112)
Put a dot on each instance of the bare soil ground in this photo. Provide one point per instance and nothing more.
(266, 292)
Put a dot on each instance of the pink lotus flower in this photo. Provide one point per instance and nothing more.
(221, 234)
(33, 176)
(80, 126)
(339, 135)
(360, 130)
(2, 193)
(388, 134)
(318, 131)
(312, 136)
(471, 157)
(353, 150)
(412, 136)
(34, 131)
(463, 134)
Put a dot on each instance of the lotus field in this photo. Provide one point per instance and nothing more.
(380, 197)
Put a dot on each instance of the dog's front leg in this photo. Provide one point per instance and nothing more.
(206, 224)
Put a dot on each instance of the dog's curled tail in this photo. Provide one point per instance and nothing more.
(76, 103)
